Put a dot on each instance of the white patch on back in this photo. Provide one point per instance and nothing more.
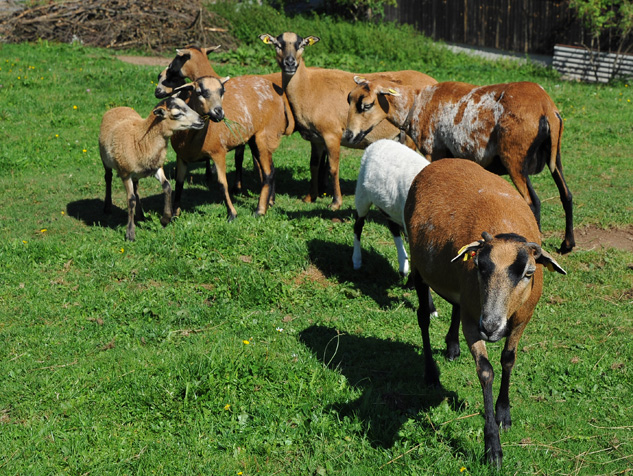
(465, 138)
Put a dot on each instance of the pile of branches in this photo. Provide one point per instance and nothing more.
(151, 25)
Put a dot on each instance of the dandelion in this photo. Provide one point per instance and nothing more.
(75, 107)
(462, 469)
(122, 250)
(246, 342)
(84, 151)
(63, 212)
(227, 407)
(43, 230)
(56, 136)
(24, 241)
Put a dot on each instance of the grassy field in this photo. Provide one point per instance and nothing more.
(253, 347)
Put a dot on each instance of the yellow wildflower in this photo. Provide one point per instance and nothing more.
(227, 406)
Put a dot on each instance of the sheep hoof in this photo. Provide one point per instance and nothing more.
(565, 247)
(165, 221)
(452, 351)
(334, 206)
(231, 217)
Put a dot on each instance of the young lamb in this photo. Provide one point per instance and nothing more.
(387, 169)
(137, 148)
(493, 283)
(511, 128)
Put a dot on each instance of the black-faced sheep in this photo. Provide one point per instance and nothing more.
(493, 283)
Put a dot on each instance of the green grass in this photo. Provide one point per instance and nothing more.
(253, 347)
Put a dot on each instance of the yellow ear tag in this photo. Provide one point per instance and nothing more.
(266, 40)
(392, 91)
(311, 42)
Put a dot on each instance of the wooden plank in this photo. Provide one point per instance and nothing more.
(578, 63)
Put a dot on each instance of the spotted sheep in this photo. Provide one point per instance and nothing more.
(493, 283)
(318, 100)
(137, 148)
(386, 171)
(255, 103)
(512, 128)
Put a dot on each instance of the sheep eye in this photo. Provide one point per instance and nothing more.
(176, 114)
(529, 273)
(367, 107)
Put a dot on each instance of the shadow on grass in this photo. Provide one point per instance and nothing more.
(376, 277)
(390, 375)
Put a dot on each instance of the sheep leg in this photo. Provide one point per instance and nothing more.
(508, 357)
(181, 172)
(160, 176)
(107, 206)
(452, 337)
(140, 214)
(263, 177)
(316, 152)
(486, 378)
(431, 372)
(220, 167)
(524, 187)
(130, 232)
(323, 174)
(403, 258)
(357, 258)
(268, 177)
(333, 144)
(566, 199)
(208, 173)
(239, 169)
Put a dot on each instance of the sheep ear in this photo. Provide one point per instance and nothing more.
(183, 92)
(468, 251)
(269, 40)
(210, 49)
(311, 40)
(360, 80)
(225, 79)
(388, 92)
(549, 262)
(160, 112)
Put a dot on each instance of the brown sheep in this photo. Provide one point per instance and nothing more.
(137, 148)
(512, 128)
(493, 283)
(318, 100)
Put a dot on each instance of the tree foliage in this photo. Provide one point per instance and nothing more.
(602, 16)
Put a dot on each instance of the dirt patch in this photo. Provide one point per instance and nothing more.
(591, 237)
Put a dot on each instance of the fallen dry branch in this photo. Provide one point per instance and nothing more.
(151, 25)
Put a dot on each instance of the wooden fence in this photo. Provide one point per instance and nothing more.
(522, 26)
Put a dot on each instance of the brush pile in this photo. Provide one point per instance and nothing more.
(148, 25)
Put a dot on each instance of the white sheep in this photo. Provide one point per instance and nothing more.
(387, 169)
(137, 148)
